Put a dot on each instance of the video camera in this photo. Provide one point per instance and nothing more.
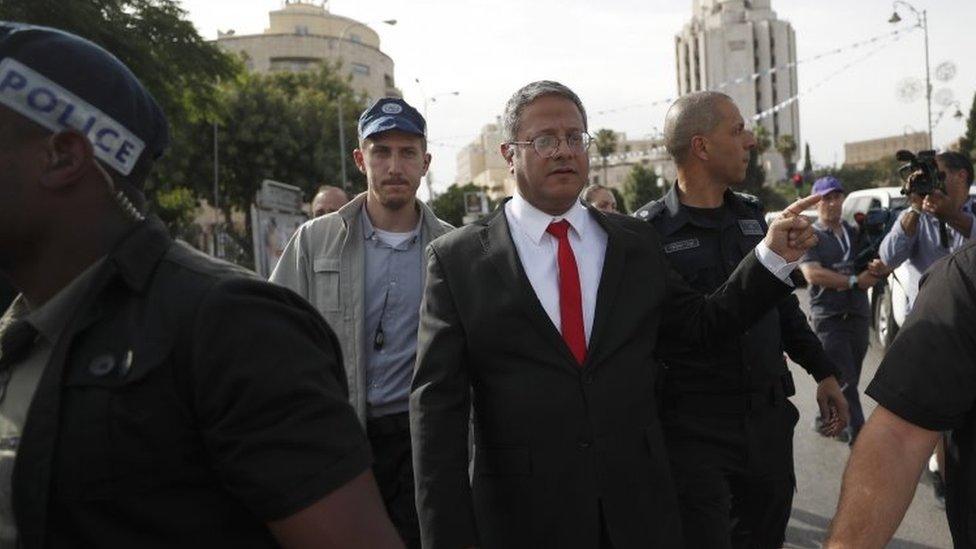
(920, 172)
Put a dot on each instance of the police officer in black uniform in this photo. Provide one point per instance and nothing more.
(727, 418)
(150, 396)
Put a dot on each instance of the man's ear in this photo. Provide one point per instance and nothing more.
(70, 156)
(357, 155)
(508, 153)
(699, 147)
(427, 159)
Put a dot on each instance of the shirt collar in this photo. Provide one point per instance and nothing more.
(51, 317)
(369, 231)
(534, 222)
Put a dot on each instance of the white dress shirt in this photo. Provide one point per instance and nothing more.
(538, 250)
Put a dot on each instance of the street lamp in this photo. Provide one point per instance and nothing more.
(427, 102)
(923, 22)
(342, 129)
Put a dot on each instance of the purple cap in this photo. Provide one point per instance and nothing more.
(827, 185)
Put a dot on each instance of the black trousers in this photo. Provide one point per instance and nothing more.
(845, 340)
(389, 438)
(734, 475)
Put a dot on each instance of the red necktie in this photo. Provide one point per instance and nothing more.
(570, 296)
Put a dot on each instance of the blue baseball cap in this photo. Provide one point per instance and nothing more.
(61, 81)
(826, 185)
(391, 113)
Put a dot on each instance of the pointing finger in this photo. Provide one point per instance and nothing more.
(798, 207)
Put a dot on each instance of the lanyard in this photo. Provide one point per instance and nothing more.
(845, 243)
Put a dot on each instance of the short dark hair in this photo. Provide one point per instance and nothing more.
(691, 114)
(956, 161)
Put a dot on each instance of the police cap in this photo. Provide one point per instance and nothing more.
(61, 81)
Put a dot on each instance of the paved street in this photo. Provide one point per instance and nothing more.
(820, 464)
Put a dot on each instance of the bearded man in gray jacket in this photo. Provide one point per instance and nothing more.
(363, 268)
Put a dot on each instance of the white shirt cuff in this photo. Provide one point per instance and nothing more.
(775, 264)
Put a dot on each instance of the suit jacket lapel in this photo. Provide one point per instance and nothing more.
(613, 270)
(496, 238)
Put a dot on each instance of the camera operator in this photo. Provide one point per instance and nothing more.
(934, 226)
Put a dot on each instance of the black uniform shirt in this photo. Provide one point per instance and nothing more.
(705, 246)
(928, 377)
(835, 253)
(186, 404)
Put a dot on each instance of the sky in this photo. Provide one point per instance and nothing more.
(618, 55)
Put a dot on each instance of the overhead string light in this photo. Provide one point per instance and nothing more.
(882, 38)
(793, 99)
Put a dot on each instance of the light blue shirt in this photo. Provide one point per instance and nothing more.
(393, 290)
(923, 248)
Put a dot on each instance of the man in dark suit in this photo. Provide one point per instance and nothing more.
(543, 318)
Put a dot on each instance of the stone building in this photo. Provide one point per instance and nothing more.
(302, 35)
(859, 153)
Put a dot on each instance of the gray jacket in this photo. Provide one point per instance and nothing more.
(323, 262)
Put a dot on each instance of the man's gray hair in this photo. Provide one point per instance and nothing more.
(690, 115)
(529, 93)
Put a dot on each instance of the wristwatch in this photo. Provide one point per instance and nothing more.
(852, 282)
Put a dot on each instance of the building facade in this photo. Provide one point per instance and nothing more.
(480, 162)
(302, 35)
(649, 153)
(740, 48)
(860, 153)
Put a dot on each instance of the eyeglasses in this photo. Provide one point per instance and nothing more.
(546, 146)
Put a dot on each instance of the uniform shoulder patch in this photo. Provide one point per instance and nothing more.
(750, 200)
(649, 211)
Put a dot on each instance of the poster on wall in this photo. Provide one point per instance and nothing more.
(275, 216)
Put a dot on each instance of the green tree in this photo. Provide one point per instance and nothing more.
(152, 37)
(883, 173)
(786, 147)
(763, 141)
(281, 126)
(640, 187)
(967, 143)
(449, 205)
(755, 174)
(176, 208)
(621, 203)
(606, 144)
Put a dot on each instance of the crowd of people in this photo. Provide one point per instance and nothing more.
(552, 375)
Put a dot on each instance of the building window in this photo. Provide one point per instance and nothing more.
(301, 30)
(293, 64)
(356, 38)
(389, 81)
(359, 68)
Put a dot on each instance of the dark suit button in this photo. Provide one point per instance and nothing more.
(588, 378)
(584, 444)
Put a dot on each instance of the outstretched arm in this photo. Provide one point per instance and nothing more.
(880, 480)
